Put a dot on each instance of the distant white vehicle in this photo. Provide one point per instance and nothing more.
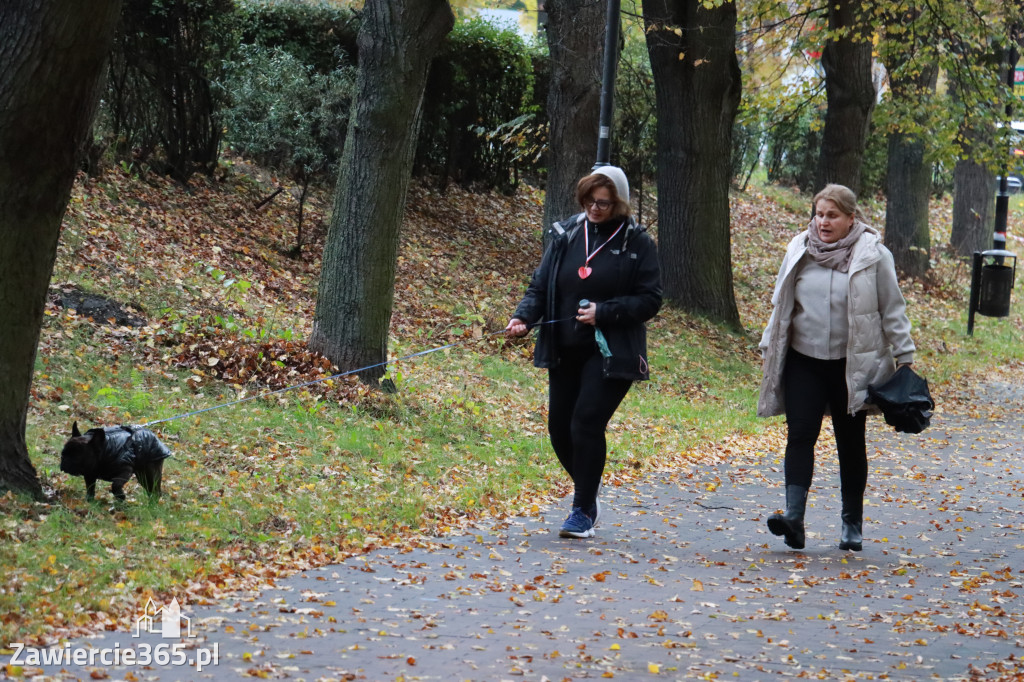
(1013, 183)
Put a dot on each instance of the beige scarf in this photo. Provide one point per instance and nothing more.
(836, 255)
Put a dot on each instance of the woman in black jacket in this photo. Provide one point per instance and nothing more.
(597, 285)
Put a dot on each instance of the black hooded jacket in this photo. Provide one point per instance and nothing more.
(621, 318)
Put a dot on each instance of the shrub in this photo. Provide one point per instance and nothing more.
(874, 169)
(313, 32)
(479, 89)
(793, 144)
(288, 116)
(159, 105)
(481, 121)
(635, 140)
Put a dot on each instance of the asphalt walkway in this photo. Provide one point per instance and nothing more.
(677, 584)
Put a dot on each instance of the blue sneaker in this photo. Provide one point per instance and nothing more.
(578, 525)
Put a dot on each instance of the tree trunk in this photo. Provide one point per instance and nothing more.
(697, 91)
(974, 190)
(575, 32)
(909, 178)
(53, 53)
(850, 92)
(396, 41)
(906, 214)
(974, 184)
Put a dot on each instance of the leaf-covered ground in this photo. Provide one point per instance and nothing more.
(305, 478)
(682, 581)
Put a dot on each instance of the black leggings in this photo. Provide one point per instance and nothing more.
(581, 403)
(810, 385)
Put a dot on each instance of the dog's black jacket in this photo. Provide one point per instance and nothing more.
(115, 453)
(132, 445)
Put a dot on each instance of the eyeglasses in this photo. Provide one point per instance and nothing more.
(600, 204)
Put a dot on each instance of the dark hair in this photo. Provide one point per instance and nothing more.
(586, 186)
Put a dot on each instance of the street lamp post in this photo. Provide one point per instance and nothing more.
(611, 58)
(1003, 197)
(991, 284)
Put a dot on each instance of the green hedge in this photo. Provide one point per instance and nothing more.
(481, 121)
(312, 32)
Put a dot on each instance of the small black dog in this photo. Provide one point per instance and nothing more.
(113, 454)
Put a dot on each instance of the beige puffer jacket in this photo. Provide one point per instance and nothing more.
(879, 328)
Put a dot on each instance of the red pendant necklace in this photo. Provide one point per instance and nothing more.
(585, 269)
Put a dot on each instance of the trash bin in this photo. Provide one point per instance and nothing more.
(991, 283)
(994, 295)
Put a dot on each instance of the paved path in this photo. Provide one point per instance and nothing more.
(681, 584)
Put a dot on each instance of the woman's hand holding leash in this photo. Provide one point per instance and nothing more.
(587, 314)
(516, 327)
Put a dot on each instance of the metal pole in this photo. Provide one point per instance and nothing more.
(1003, 197)
(972, 304)
(611, 59)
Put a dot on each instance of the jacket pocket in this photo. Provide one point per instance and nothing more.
(629, 354)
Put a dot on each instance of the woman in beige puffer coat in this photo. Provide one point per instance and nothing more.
(839, 324)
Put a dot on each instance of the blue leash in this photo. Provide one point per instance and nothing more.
(339, 375)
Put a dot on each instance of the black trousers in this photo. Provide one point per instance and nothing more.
(581, 402)
(810, 385)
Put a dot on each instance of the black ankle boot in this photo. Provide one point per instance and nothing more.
(853, 522)
(791, 524)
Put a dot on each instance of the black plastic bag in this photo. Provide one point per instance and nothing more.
(904, 400)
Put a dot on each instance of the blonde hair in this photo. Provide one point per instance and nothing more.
(842, 196)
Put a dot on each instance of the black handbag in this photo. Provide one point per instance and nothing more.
(904, 400)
